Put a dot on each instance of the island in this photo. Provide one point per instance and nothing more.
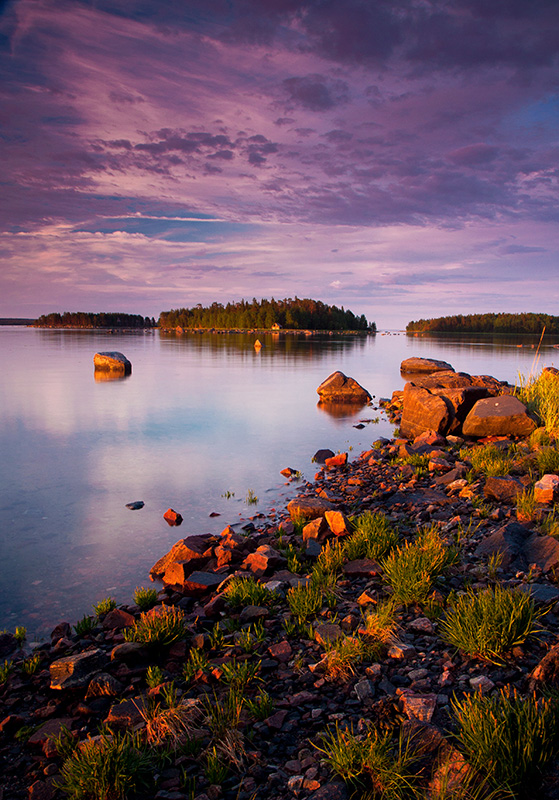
(287, 314)
(487, 323)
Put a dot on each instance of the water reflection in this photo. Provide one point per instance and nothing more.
(340, 411)
(104, 375)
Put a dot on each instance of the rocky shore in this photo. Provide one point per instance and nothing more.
(237, 697)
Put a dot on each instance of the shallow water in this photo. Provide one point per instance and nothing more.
(201, 416)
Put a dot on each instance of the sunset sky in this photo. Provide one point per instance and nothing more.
(396, 157)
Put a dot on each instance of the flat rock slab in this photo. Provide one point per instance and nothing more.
(504, 415)
(520, 547)
(112, 361)
(200, 583)
(428, 365)
(76, 670)
(50, 729)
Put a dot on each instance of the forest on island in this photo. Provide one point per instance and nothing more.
(298, 314)
(84, 319)
(487, 323)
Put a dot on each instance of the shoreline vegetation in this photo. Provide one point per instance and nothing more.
(392, 634)
(488, 323)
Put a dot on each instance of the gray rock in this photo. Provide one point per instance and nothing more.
(76, 670)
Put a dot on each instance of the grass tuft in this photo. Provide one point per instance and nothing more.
(540, 396)
(145, 598)
(412, 569)
(373, 537)
(489, 624)
(161, 629)
(104, 606)
(106, 768)
(241, 592)
(507, 737)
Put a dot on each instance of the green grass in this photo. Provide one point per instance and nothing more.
(251, 498)
(145, 598)
(373, 537)
(106, 768)
(20, 634)
(104, 606)
(412, 569)
(241, 592)
(5, 670)
(547, 459)
(160, 629)
(488, 460)
(238, 675)
(540, 395)
(305, 601)
(550, 524)
(197, 664)
(371, 764)
(260, 706)
(85, 625)
(489, 624)
(154, 676)
(508, 738)
(379, 622)
(29, 666)
(343, 655)
(526, 507)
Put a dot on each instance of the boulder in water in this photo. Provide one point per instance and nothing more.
(112, 361)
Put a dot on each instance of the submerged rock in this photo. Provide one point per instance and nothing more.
(428, 365)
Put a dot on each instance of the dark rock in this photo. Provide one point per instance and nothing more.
(76, 670)
(509, 540)
(136, 505)
(504, 490)
(127, 714)
(321, 455)
(50, 729)
(339, 388)
(198, 583)
(504, 415)
(117, 619)
(61, 631)
(8, 643)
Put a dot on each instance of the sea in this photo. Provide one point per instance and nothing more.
(204, 425)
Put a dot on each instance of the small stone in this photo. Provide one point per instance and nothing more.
(327, 632)
(282, 651)
(364, 689)
(419, 706)
(135, 505)
(172, 517)
(401, 651)
(482, 684)
(421, 625)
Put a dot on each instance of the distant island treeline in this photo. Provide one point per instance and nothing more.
(487, 323)
(84, 319)
(298, 314)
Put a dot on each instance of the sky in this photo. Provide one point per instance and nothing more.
(395, 157)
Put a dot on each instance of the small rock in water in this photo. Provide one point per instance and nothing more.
(172, 517)
(136, 505)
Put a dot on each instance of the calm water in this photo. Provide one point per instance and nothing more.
(200, 416)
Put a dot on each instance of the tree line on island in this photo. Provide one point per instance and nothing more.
(84, 319)
(487, 323)
(297, 314)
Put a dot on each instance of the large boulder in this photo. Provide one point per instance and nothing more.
(423, 411)
(196, 550)
(338, 388)
(428, 365)
(112, 362)
(504, 415)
